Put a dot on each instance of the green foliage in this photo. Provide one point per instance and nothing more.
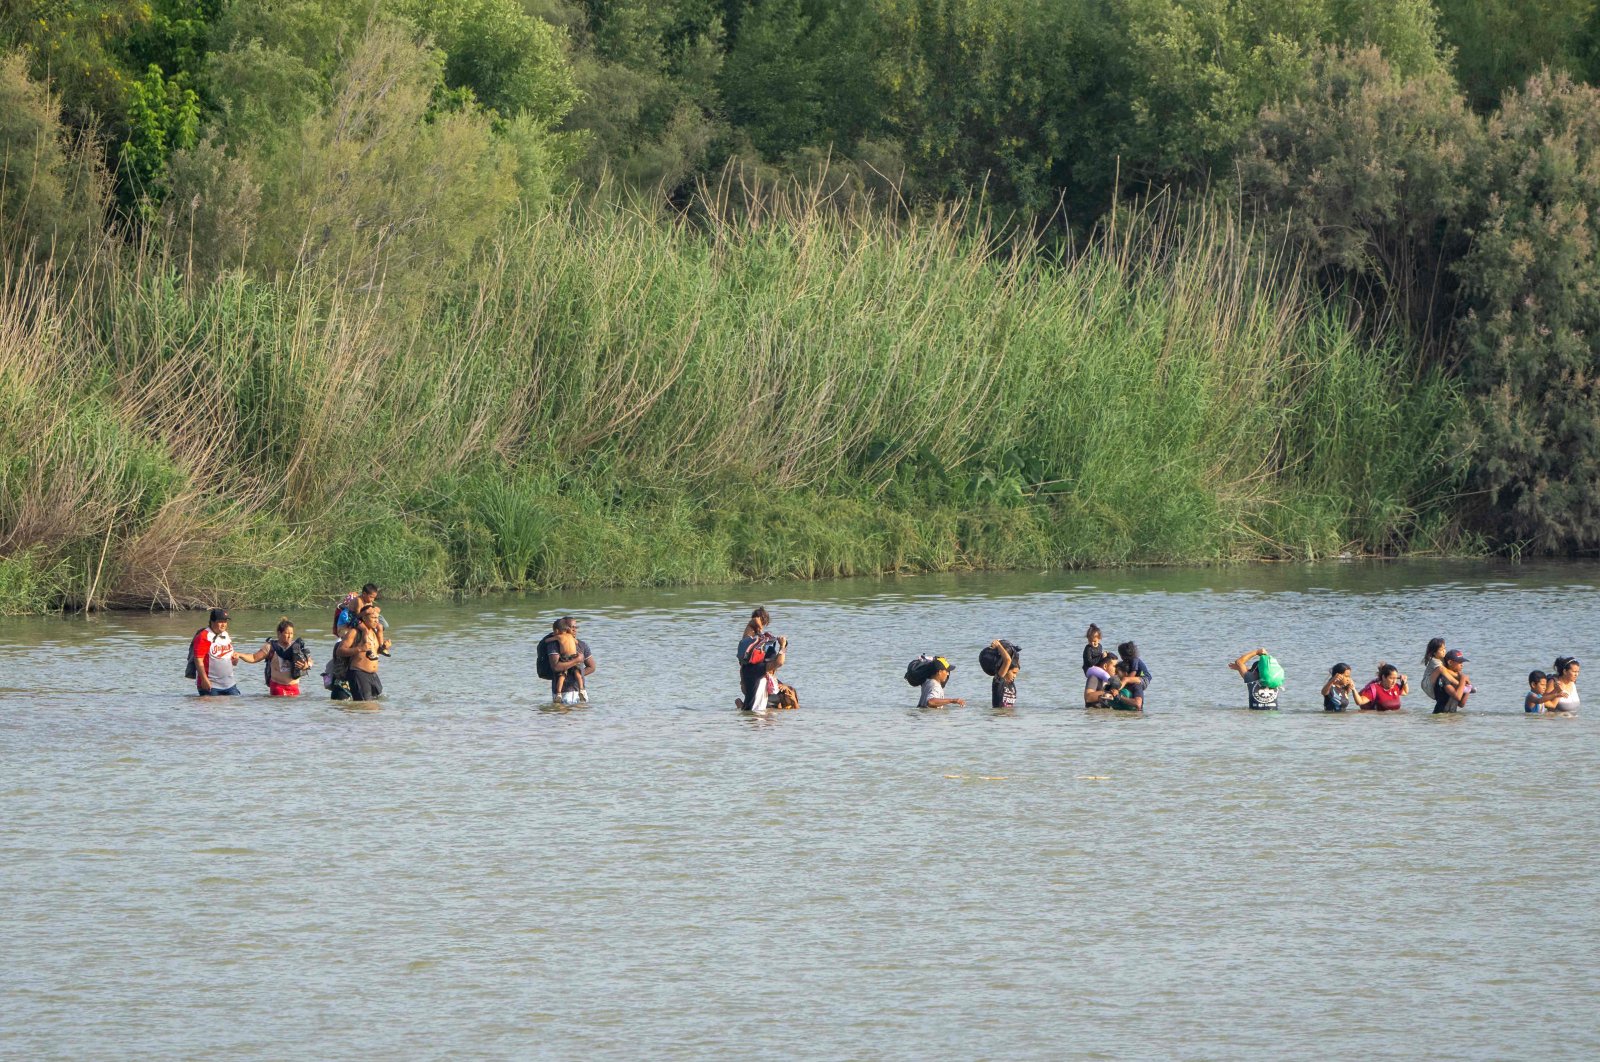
(795, 77)
(1499, 44)
(51, 189)
(1533, 316)
(513, 63)
(163, 117)
(1365, 173)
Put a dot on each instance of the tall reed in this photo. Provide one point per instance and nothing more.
(616, 395)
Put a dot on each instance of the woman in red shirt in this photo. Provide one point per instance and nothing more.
(1383, 693)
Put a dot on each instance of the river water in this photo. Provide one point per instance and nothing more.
(470, 872)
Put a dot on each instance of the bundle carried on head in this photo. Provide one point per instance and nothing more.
(989, 657)
(925, 667)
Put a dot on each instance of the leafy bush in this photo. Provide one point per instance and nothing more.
(1530, 332)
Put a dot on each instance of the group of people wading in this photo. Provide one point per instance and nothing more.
(361, 639)
(1114, 680)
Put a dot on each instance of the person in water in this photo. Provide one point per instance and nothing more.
(1100, 683)
(1432, 661)
(1093, 655)
(933, 688)
(1565, 681)
(1128, 693)
(567, 652)
(1451, 687)
(214, 656)
(1262, 698)
(1383, 693)
(1338, 693)
(360, 647)
(1003, 687)
(755, 645)
(761, 654)
(1128, 654)
(287, 660)
(570, 659)
(1542, 694)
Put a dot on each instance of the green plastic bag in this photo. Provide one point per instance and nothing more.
(1269, 671)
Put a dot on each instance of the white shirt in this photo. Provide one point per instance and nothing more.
(219, 660)
(931, 689)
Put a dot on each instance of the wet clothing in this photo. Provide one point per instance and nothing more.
(1533, 703)
(1568, 701)
(1095, 680)
(752, 673)
(1093, 656)
(365, 685)
(567, 680)
(278, 690)
(216, 653)
(1443, 703)
(1141, 672)
(932, 689)
(1125, 700)
(1263, 698)
(1002, 694)
(281, 661)
(214, 691)
(1380, 699)
(1336, 700)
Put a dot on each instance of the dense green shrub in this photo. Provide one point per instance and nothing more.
(1530, 332)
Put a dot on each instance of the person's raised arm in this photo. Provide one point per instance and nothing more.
(1005, 657)
(1240, 666)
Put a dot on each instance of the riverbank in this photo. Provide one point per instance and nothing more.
(606, 397)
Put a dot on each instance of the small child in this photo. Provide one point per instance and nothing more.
(567, 649)
(1093, 655)
(1003, 688)
(1541, 693)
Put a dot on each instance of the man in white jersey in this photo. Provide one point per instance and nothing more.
(214, 658)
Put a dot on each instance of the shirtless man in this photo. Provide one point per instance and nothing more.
(361, 645)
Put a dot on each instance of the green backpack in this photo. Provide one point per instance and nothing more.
(1269, 671)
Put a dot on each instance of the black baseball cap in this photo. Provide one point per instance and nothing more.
(1456, 656)
(219, 615)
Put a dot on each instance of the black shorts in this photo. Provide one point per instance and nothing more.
(365, 686)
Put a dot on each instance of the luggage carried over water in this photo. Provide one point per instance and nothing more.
(989, 658)
(924, 668)
(1269, 671)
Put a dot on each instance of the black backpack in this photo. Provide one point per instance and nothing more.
(921, 670)
(989, 658)
(189, 670)
(541, 663)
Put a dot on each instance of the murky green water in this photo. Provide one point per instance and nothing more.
(467, 872)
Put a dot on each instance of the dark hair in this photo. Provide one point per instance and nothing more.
(1564, 662)
(1339, 669)
(1128, 651)
(565, 623)
(284, 624)
(370, 588)
(1108, 658)
(1434, 645)
(1385, 670)
(1094, 629)
(1536, 676)
(367, 608)
(762, 614)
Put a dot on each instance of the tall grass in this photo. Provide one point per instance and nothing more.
(610, 395)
